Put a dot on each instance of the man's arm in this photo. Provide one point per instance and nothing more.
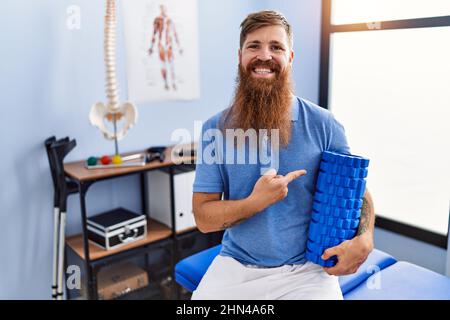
(367, 218)
(352, 253)
(212, 214)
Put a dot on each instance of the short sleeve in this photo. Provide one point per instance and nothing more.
(207, 172)
(337, 139)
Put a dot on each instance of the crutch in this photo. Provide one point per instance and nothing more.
(51, 161)
(56, 151)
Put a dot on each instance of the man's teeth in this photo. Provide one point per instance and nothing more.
(263, 71)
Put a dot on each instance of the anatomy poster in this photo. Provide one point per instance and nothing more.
(161, 38)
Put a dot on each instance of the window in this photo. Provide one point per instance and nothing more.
(390, 87)
(362, 11)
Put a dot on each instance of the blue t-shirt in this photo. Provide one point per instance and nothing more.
(277, 235)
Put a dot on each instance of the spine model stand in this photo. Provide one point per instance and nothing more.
(112, 111)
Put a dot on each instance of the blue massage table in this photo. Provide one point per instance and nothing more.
(380, 277)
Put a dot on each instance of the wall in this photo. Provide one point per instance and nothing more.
(305, 18)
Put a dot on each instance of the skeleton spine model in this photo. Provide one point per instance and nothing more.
(113, 110)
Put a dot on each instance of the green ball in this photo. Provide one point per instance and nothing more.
(92, 161)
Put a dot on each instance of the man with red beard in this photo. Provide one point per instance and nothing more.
(266, 227)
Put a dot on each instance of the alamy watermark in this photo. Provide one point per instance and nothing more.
(374, 281)
(73, 277)
(73, 20)
(230, 146)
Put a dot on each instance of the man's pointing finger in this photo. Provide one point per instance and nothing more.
(291, 176)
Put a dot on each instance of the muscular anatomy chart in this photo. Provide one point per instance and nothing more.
(161, 50)
(164, 33)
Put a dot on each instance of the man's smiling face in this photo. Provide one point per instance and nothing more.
(266, 52)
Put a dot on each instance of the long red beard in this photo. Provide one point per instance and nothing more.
(262, 103)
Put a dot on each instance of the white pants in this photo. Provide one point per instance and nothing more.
(228, 279)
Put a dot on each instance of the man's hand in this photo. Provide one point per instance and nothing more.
(351, 254)
(271, 188)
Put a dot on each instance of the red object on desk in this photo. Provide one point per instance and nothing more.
(105, 160)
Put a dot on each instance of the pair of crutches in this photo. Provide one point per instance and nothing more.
(56, 151)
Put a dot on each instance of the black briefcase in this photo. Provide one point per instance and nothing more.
(115, 228)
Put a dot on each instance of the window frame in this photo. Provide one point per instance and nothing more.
(327, 30)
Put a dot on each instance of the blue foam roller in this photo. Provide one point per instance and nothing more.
(335, 169)
(344, 223)
(337, 202)
(356, 214)
(317, 206)
(339, 223)
(350, 204)
(325, 167)
(326, 241)
(361, 188)
(349, 161)
(350, 234)
(363, 173)
(325, 210)
(352, 172)
(316, 248)
(337, 180)
(354, 223)
(343, 202)
(349, 193)
(364, 163)
(358, 204)
(318, 260)
(349, 223)
(327, 156)
(333, 201)
(356, 162)
(321, 183)
(332, 233)
(345, 214)
(338, 233)
(321, 197)
(336, 212)
(316, 230)
(316, 216)
(345, 182)
(330, 178)
(331, 189)
(341, 234)
(330, 222)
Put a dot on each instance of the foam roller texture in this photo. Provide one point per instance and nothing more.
(336, 209)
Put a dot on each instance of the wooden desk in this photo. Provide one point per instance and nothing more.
(77, 170)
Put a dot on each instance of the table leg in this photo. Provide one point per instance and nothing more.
(90, 277)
